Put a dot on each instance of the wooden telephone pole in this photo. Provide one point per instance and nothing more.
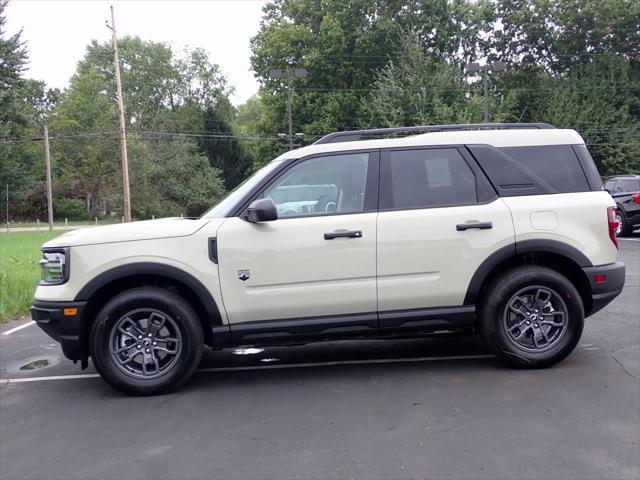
(47, 159)
(123, 132)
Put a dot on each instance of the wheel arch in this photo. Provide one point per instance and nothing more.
(105, 286)
(556, 255)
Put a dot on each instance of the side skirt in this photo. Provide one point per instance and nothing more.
(390, 324)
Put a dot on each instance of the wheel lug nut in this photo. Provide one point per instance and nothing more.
(149, 335)
(139, 336)
(148, 351)
(139, 346)
(155, 343)
(528, 323)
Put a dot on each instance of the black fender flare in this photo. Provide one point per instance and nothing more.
(158, 269)
(515, 249)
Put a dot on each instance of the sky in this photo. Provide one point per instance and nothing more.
(58, 31)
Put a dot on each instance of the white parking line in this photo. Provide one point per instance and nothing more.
(43, 379)
(19, 327)
(267, 367)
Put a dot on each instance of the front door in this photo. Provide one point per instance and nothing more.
(315, 264)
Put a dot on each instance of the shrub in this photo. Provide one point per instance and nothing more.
(70, 208)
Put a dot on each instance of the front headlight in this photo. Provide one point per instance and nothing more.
(54, 267)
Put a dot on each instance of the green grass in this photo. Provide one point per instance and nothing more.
(19, 271)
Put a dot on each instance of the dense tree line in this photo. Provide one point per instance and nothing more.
(373, 63)
(370, 63)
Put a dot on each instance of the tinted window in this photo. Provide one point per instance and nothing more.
(608, 186)
(321, 186)
(557, 165)
(426, 178)
(627, 185)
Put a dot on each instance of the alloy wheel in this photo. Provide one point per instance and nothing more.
(535, 318)
(620, 226)
(145, 343)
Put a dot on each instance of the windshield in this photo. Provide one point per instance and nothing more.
(223, 208)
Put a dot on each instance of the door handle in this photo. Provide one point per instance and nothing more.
(479, 225)
(351, 234)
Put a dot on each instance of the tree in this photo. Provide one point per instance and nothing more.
(420, 89)
(13, 121)
(343, 45)
(170, 101)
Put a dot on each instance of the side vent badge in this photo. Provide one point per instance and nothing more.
(244, 275)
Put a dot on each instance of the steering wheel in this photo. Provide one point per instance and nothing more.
(324, 203)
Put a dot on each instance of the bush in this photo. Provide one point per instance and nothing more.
(70, 208)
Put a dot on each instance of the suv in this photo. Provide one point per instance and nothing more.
(501, 229)
(625, 190)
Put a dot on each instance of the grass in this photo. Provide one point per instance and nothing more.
(19, 271)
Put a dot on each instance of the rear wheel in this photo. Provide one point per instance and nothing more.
(622, 229)
(532, 317)
(146, 341)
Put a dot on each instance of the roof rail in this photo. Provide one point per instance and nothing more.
(354, 135)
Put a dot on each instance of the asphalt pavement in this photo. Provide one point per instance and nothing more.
(425, 408)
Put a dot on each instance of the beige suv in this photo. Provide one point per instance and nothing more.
(501, 229)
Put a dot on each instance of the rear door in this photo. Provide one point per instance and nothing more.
(439, 220)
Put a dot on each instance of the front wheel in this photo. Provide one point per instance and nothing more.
(531, 317)
(146, 341)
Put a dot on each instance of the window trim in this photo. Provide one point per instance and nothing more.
(479, 177)
(371, 184)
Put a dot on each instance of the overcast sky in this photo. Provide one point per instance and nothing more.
(57, 32)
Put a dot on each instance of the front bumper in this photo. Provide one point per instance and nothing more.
(604, 291)
(61, 323)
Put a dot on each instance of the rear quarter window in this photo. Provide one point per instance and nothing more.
(557, 165)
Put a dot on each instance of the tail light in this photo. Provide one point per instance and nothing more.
(636, 197)
(613, 224)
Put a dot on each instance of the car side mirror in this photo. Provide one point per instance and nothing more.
(262, 210)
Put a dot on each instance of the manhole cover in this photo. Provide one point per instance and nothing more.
(35, 364)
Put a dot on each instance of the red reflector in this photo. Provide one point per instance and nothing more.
(600, 278)
(636, 197)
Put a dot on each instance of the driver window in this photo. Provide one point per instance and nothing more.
(322, 186)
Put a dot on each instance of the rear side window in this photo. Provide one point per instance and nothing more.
(426, 178)
(557, 165)
(627, 185)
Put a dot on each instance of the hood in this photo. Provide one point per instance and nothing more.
(125, 232)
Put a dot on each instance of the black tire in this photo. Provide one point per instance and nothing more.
(180, 357)
(624, 227)
(495, 317)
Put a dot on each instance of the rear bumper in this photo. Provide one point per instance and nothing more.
(63, 328)
(604, 291)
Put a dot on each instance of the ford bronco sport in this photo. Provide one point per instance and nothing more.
(500, 229)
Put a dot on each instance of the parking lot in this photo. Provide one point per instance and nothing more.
(427, 408)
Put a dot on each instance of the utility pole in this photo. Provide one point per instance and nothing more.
(289, 114)
(7, 188)
(47, 159)
(484, 71)
(485, 90)
(289, 75)
(123, 132)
